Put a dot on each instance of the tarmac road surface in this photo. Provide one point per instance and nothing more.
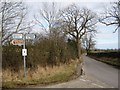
(97, 75)
(101, 71)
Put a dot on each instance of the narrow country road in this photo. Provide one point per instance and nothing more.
(101, 71)
(97, 75)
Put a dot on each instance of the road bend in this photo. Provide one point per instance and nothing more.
(103, 72)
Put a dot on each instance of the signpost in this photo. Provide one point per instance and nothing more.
(17, 42)
(30, 36)
(17, 36)
(24, 52)
(19, 39)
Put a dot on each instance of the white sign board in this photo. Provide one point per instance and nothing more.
(30, 36)
(24, 52)
(17, 36)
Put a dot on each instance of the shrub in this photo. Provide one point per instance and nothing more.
(47, 51)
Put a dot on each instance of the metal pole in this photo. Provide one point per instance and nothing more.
(24, 68)
(24, 60)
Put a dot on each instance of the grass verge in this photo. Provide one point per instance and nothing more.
(41, 76)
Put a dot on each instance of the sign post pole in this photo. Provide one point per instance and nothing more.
(24, 60)
(20, 39)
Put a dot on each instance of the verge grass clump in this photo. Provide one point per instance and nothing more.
(41, 76)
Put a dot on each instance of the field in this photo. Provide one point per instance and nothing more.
(111, 58)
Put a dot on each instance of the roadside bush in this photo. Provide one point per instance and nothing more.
(45, 52)
(11, 58)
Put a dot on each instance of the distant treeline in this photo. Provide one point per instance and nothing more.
(106, 54)
(107, 50)
(111, 58)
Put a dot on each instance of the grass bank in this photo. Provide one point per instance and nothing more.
(111, 58)
(40, 76)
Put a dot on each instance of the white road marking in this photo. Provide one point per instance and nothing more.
(88, 80)
(97, 85)
(83, 80)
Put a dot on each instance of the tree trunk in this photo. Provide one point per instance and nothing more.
(78, 49)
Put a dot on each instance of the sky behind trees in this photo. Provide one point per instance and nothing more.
(105, 38)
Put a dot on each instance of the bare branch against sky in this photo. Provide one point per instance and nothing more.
(94, 5)
(98, 7)
(13, 16)
(111, 15)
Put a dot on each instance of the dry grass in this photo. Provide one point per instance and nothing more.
(39, 76)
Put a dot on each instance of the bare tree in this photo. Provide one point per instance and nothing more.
(77, 22)
(12, 19)
(88, 42)
(111, 16)
(49, 16)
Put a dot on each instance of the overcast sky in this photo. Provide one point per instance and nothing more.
(105, 38)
